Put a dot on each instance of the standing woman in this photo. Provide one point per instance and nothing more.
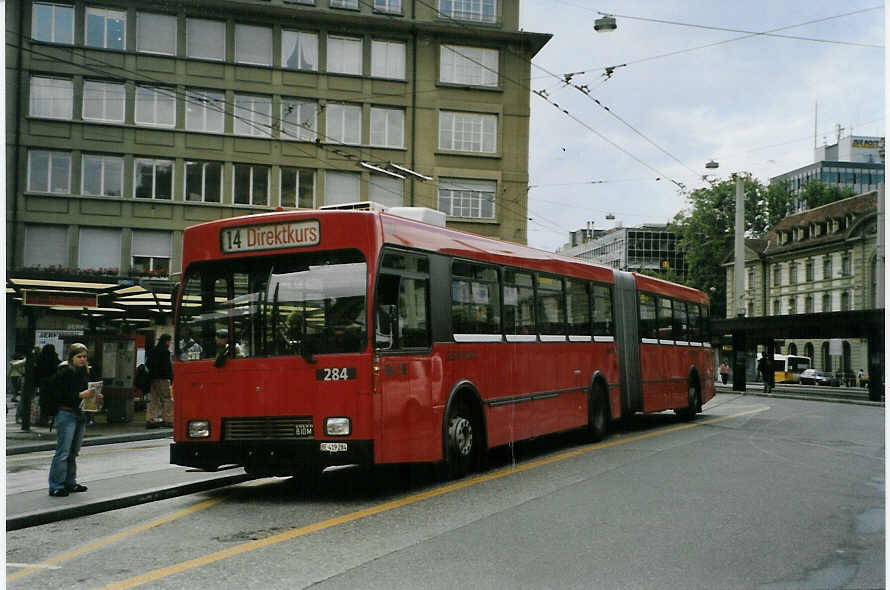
(71, 386)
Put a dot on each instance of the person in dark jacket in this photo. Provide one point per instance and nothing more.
(47, 365)
(70, 386)
(160, 372)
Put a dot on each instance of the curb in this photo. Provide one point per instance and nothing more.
(37, 518)
(808, 398)
(88, 442)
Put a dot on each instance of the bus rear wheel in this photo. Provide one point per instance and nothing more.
(694, 407)
(597, 414)
(462, 441)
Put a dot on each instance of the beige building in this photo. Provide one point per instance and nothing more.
(128, 121)
(821, 260)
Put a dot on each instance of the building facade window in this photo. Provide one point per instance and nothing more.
(777, 275)
(99, 248)
(845, 301)
(151, 253)
(299, 119)
(792, 273)
(205, 111)
(777, 307)
(343, 124)
(388, 6)
(826, 302)
(253, 45)
(341, 187)
(808, 304)
(153, 179)
(102, 175)
(104, 101)
(46, 245)
(299, 50)
(344, 55)
(467, 198)
(251, 184)
(846, 266)
(473, 66)
(792, 305)
(253, 115)
(52, 23)
(388, 59)
(106, 28)
(387, 127)
(203, 181)
(351, 4)
(467, 132)
(156, 33)
(156, 106)
(49, 172)
(386, 190)
(826, 267)
(297, 188)
(206, 39)
(809, 271)
(52, 98)
(749, 279)
(472, 10)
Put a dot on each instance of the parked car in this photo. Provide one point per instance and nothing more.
(817, 377)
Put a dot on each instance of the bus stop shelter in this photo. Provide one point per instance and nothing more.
(749, 332)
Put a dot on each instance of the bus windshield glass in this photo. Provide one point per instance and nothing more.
(304, 304)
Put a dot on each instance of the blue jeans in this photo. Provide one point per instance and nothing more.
(69, 435)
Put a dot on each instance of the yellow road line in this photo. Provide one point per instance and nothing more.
(387, 506)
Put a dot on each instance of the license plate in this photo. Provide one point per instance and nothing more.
(337, 447)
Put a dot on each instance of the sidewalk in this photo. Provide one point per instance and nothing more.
(39, 438)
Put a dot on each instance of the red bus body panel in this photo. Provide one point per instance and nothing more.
(526, 389)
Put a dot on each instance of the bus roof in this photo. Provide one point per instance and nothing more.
(202, 241)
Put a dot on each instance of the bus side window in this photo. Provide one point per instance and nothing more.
(665, 319)
(475, 305)
(681, 321)
(648, 323)
(519, 303)
(694, 322)
(578, 307)
(386, 316)
(414, 327)
(551, 319)
(602, 311)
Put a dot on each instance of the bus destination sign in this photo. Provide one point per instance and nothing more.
(248, 238)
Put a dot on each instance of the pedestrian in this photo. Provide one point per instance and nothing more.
(70, 385)
(859, 376)
(761, 371)
(47, 365)
(160, 373)
(15, 371)
(770, 377)
(724, 372)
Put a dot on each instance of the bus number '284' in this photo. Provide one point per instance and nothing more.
(335, 374)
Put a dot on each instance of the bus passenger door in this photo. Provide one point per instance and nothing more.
(402, 340)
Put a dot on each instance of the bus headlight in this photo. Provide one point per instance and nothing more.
(198, 428)
(337, 427)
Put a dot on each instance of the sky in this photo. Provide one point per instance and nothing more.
(751, 105)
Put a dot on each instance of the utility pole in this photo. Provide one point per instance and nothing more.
(739, 267)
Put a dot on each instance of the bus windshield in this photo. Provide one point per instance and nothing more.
(304, 304)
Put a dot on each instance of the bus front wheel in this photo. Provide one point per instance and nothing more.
(462, 441)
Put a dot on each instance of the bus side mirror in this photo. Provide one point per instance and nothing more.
(387, 325)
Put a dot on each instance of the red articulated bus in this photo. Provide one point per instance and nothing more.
(307, 339)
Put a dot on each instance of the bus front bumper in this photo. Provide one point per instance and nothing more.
(272, 458)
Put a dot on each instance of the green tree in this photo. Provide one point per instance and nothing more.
(706, 232)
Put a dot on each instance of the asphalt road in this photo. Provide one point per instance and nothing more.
(756, 493)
